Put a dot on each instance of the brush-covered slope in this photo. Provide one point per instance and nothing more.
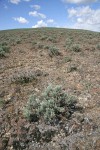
(35, 62)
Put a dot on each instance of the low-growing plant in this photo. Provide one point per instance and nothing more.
(4, 43)
(98, 46)
(18, 41)
(68, 42)
(43, 38)
(53, 51)
(72, 68)
(67, 59)
(24, 77)
(3, 50)
(52, 39)
(1, 102)
(39, 45)
(34, 43)
(76, 48)
(50, 105)
(46, 47)
(6, 49)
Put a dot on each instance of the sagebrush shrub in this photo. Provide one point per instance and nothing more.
(76, 48)
(50, 104)
(2, 102)
(98, 46)
(53, 51)
(23, 77)
(18, 41)
(71, 68)
(3, 50)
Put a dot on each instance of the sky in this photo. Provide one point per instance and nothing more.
(76, 14)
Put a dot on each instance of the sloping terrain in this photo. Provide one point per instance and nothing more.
(30, 61)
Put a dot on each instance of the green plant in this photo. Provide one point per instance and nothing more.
(68, 42)
(76, 48)
(43, 38)
(3, 50)
(53, 51)
(72, 68)
(24, 77)
(1, 102)
(51, 104)
(46, 47)
(4, 43)
(52, 39)
(67, 59)
(98, 46)
(18, 41)
(6, 49)
(34, 43)
(40, 46)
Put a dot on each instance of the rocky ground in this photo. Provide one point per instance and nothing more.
(75, 68)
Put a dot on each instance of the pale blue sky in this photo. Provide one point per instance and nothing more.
(81, 14)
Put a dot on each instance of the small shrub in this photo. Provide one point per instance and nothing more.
(18, 41)
(6, 49)
(68, 42)
(34, 43)
(4, 43)
(53, 51)
(51, 104)
(43, 38)
(46, 47)
(40, 46)
(3, 50)
(98, 46)
(67, 59)
(52, 39)
(1, 102)
(72, 68)
(76, 48)
(24, 77)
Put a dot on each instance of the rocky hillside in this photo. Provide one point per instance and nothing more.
(49, 89)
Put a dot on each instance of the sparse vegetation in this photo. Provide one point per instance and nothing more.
(52, 103)
(53, 118)
(98, 46)
(1, 102)
(68, 43)
(34, 43)
(46, 47)
(3, 50)
(18, 41)
(39, 45)
(53, 51)
(76, 48)
(72, 68)
(52, 39)
(43, 38)
(23, 77)
(67, 59)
